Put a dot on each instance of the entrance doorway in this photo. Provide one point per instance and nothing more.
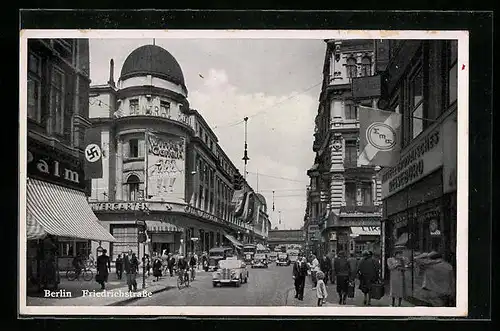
(160, 247)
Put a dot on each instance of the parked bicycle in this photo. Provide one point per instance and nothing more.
(183, 279)
(87, 274)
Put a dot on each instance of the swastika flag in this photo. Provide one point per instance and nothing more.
(379, 137)
(93, 153)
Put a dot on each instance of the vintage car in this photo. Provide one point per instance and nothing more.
(282, 259)
(230, 271)
(216, 254)
(259, 261)
(273, 256)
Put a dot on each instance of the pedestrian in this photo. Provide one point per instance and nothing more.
(192, 265)
(353, 266)
(321, 291)
(197, 260)
(77, 265)
(396, 266)
(299, 276)
(171, 264)
(157, 268)
(103, 269)
(131, 267)
(342, 270)
(326, 266)
(314, 270)
(368, 272)
(119, 266)
(438, 285)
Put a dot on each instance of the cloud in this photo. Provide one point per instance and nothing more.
(280, 138)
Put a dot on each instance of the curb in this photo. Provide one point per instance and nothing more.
(133, 299)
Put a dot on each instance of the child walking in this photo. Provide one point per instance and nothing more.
(321, 288)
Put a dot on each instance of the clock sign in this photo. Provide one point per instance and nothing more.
(381, 136)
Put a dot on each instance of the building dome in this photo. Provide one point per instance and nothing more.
(155, 61)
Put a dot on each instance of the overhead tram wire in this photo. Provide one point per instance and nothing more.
(279, 177)
(267, 108)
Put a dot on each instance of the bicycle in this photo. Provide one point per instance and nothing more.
(71, 275)
(183, 279)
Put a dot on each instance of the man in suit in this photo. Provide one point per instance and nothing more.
(299, 276)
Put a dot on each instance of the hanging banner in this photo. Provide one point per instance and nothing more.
(166, 164)
(238, 202)
(249, 208)
(93, 153)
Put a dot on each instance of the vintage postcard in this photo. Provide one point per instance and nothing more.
(246, 172)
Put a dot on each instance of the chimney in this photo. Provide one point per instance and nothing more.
(111, 80)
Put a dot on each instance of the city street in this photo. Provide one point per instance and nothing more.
(265, 287)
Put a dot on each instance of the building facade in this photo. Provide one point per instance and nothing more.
(162, 163)
(343, 197)
(419, 193)
(59, 221)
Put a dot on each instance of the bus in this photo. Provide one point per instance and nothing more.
(249, 251)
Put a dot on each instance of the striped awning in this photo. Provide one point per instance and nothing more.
(60, 211)
(233, 240)
(159, 226)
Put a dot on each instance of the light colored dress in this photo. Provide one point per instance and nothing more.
(321, 289)
(396, 277)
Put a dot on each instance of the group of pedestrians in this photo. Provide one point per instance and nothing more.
(342, 272)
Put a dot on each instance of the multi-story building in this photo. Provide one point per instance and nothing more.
(344, 196)
(59, 221)
(162, 163)
(419, 192)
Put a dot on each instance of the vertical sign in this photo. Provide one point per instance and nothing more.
(93, 153)
(166, 163)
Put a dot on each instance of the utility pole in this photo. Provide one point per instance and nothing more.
(245, 153)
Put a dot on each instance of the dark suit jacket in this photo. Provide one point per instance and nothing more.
(299, 270)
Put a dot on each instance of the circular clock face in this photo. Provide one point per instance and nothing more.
(433, 225)
(381, 136)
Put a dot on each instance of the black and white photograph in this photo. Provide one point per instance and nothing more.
(178, 172)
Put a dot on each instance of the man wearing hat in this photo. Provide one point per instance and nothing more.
(299, 276)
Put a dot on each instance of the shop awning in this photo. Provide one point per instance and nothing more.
(357, 231)
(233, 240)
(60, 211)
(159, 226)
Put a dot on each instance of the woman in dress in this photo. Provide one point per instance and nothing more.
(396, 265)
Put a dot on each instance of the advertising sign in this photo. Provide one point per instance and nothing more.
(418, 161)
(166, 164)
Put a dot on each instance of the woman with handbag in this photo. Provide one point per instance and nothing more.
(368, 272)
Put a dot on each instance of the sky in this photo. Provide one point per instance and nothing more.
(275, 82)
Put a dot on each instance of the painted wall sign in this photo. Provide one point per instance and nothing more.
(203, 214)
(425, 157)
(119, 206)
(166, 163)
(45, 166)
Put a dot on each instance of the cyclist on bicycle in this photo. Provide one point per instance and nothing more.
(78, 264)
(182, 266)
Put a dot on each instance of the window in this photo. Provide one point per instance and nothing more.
(34, 87)
(366, 66)
(416, 103)
(57, 99)
(351, 154)
(164, 108)
(133, 188)
(133, 145)
(207, 197)
(200, 195)
(134, 106)
(350, 194)
(452, 72)
(352, 70)
(351, 112)
(126, 240)
(366, 194)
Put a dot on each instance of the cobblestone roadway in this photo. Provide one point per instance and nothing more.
(265, 287)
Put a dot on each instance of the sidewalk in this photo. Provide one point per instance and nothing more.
(116, 293)
(310, 299)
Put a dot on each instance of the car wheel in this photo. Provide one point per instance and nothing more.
(238, 283)
(214, 284)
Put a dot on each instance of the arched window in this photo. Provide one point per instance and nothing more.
(366, 66)
(133, 187)
(351, 67)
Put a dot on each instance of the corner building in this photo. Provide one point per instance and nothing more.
(344, 199)
(161, 163)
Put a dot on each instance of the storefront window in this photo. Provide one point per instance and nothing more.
(416, 103)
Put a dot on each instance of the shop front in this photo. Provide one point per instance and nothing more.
(365, 238)
(420, 207)
(59, 221)
(171, 227)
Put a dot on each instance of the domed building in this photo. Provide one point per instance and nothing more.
(161, 163)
